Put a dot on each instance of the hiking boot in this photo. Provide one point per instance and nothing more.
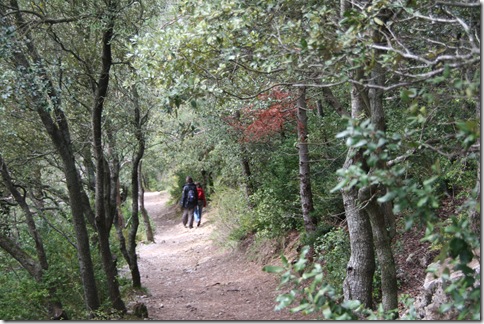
(198, 224)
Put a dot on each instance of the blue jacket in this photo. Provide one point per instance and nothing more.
(184, 203)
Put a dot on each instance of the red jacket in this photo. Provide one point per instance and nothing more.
(201, 196)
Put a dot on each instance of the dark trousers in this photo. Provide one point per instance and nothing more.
(187, 217)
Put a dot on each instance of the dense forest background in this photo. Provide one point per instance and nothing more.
(344, 121)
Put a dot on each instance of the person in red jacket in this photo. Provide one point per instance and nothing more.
(202, 202)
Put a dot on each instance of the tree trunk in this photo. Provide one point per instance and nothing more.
(138, 155)
(133, 265)
(382, 242)
(102, 217)
(115, 200)
(361, 266)
(58, 131)
(334, 102)
(475, 216)
(146, 218)
(34, 268)
(245, 163)
(249, 186)
(306, 195)
(32, 228)
(381, 216)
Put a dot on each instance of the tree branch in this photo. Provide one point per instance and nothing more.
(459, 4)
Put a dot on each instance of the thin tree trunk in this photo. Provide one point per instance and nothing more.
(58, 131)
(109, 263)
(249, 187)
(20, 199)
(334, 102)
(138, 155)
(475, 216)
(246, 171)
(119, 225)
(146, 218)
(305, 192)
(135, 274)
(35, 268)
(382, 242)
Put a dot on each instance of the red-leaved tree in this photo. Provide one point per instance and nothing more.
(270, 117)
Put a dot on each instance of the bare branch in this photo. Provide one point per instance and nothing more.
(458, 4)
(47, 20)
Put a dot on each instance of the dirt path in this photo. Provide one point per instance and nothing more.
(189, 278)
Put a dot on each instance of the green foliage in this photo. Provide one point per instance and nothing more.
(209, 60)
(459, 243)
(22, 298)
(312, 293)
(174, 185)
(315, 239)
(270, 216)
(25, 299)
(233, 219)
(419, 199)
(334, 250)
(408, 303)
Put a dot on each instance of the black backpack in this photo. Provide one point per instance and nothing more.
(191, 196)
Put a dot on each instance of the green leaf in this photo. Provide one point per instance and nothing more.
(423, 201)
(339, 186)
(457, 245)
(378, 21)
(272, 269)
(304, 44)
(387, 197)
(360, 143)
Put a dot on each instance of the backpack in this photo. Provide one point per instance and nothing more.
(191, 196)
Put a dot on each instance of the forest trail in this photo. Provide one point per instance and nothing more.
(189, 278)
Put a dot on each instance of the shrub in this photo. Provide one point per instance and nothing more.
(270, 216)
(232, 217)
(334, 250)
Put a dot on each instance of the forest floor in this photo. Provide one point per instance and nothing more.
(189, 277)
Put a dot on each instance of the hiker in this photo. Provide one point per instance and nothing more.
(188, 202)
(202, 202)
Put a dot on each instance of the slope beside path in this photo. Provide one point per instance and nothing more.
(189, 278)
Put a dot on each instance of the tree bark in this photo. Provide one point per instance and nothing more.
(32, 228)
(249, 186)
(305, 192)
(131, 248)
(334, 102)
(138, 155)
(58, 131)
(381, 216)
(146, 218)
(382, 242)
(102, 216)
(475, 216)
(34, 268)
(361, 266)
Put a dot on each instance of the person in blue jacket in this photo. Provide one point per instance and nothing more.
(188, 202)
